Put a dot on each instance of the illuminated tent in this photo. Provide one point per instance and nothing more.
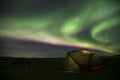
(82, 61)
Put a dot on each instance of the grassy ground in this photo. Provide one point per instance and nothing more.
(51, 69)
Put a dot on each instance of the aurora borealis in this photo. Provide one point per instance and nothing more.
(81, 23)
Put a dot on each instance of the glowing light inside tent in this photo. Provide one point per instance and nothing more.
(86, 51)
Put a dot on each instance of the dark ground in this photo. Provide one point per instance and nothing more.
(52, 69)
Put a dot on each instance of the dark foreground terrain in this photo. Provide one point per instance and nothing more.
(52, 69)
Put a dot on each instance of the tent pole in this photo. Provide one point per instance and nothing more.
(89, 62)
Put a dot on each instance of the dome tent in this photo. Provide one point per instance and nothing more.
(82, 61)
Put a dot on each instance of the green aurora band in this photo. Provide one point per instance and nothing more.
(95, 24)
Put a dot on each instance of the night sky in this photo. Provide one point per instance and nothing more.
(49, 28)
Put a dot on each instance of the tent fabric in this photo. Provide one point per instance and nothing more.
(80, 60)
